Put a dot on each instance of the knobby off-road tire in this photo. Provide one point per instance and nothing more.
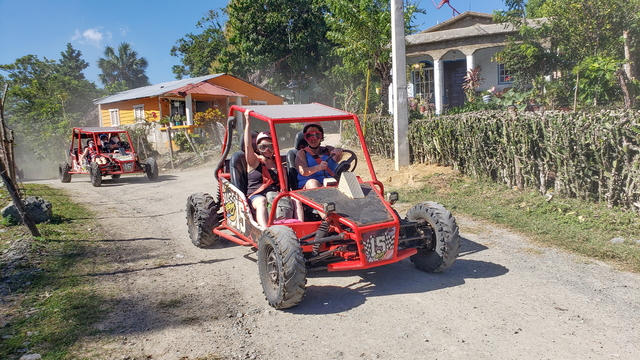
(281, 266)
(152, 169)
(95, 174)
(63, 172)
(445, 234)
(202, 218)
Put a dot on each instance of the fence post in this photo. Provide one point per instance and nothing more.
(170, 145)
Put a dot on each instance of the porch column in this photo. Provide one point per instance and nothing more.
(188, 108)
(438, 84)
(471, 62)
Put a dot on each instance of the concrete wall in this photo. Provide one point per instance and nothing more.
(488, 68)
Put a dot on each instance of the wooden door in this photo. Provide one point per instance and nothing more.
(454, 73)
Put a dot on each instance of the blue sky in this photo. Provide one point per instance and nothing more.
(44, 28)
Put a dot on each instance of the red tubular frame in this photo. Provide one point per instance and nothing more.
(78, 135)
(358, 231)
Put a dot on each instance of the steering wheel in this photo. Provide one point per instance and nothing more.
(346, 165)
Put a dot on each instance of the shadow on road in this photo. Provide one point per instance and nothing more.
(393, 279)
(150, 268)
(109, 182)
(132, 239)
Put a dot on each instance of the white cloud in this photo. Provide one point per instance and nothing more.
(124, 30)
(93, 36)
(76, 36)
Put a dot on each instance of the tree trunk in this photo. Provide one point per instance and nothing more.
(622, 80)
(383, 70)
(6, 139)
(575, 95)
(629, 64)
(25, 217)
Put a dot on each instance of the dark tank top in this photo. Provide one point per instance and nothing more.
(254, 181)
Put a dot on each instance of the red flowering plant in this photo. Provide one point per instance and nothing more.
(472, 81)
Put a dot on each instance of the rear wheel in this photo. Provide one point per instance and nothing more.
(281, 266)
(95, 174)
(152, 169)
(202, 218)
(441, 252)
(63, 172)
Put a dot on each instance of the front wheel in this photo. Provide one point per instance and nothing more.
(63, 172)
(281, 266)
(202, 218)
(442, 250)
(152, 169)
(95, 174)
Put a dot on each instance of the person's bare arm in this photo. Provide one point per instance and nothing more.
(249, 155)
(304, 169)
(83, 155)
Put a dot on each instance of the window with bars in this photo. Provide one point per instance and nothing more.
(504, 77)
(138, 112)
(114, 114)
(423, 83)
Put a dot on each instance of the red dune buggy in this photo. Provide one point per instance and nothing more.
(108, 157)
(347, 226)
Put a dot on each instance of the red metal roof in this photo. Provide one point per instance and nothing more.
(205, 88)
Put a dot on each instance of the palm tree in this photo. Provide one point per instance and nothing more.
(124, 66)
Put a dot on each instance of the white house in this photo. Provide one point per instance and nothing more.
(446, 51)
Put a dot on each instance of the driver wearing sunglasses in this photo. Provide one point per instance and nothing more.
(263, 184)
(315, 162)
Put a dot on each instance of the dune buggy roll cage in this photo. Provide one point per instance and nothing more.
(287, 114)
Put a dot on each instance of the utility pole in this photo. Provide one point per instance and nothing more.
(399, 73)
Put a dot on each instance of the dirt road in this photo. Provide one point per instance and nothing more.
(504, 298)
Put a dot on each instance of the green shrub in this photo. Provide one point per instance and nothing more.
(9, 221)
(181, 140)
(591, 155)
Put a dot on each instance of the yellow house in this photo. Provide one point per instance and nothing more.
(181, 97)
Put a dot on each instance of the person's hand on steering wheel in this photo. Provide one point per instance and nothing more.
(337, 154)
(322, 166)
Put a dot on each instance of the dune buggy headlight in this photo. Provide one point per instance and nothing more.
(392, 197)
(329, 207)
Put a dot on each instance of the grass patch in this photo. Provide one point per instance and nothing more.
(170, 304)
(48, 303)
(575, 225)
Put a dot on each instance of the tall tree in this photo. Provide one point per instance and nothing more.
(198, 51)
(123, 66)
(72, 64)
(361, 30)
(584, 28)
(273, 42)
(45, 99)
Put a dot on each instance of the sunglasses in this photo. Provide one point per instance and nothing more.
(264, 147)
(313, 134)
